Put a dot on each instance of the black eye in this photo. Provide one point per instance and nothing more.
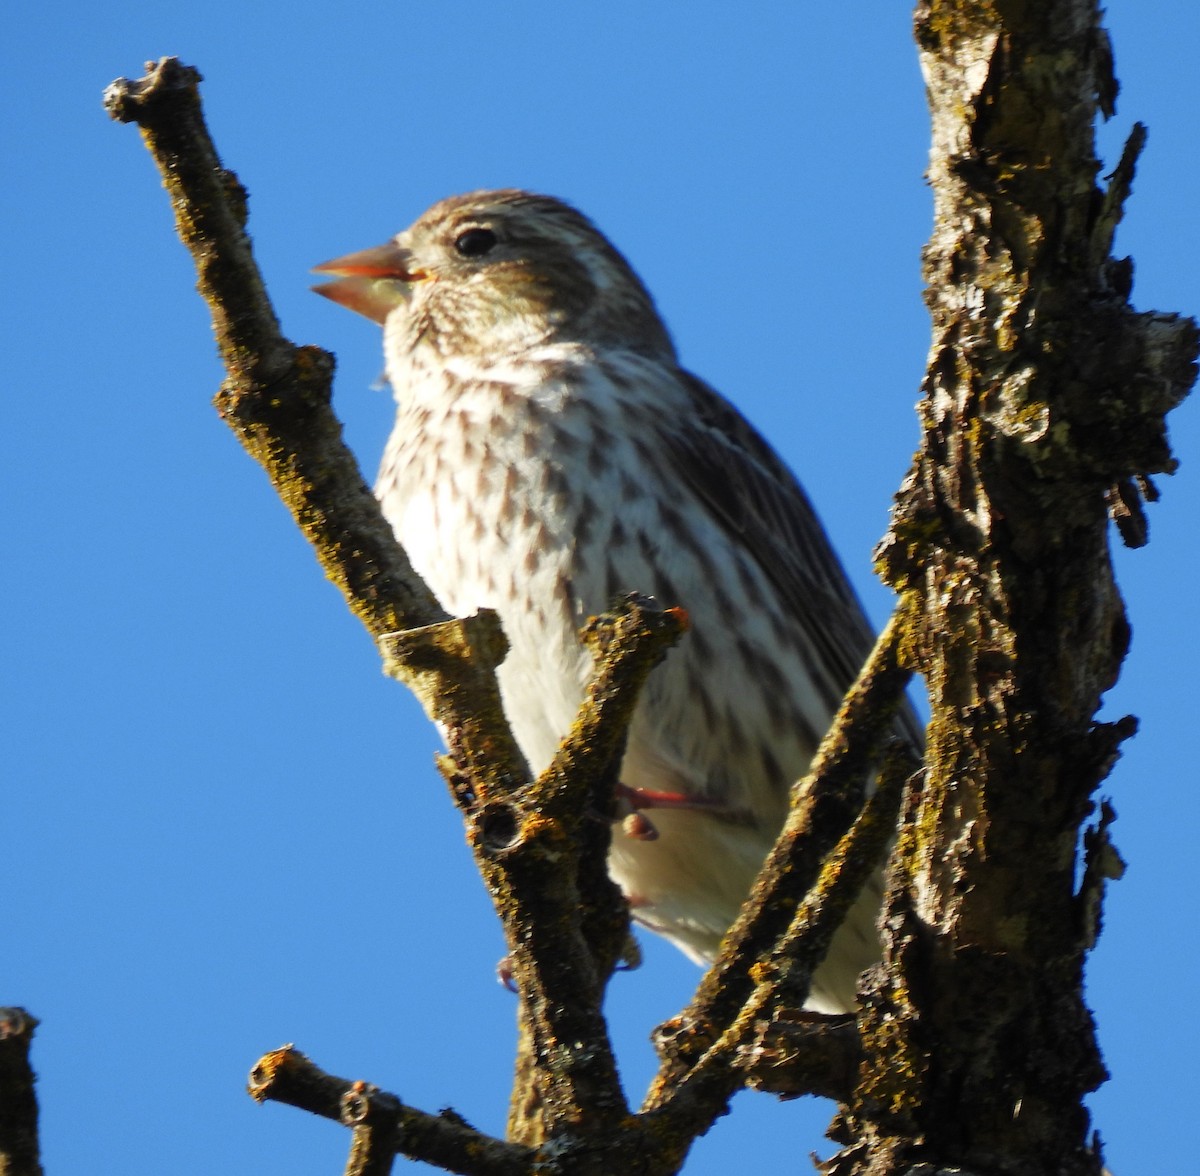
(474, 242)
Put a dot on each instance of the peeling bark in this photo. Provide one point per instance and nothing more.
(1044, 405)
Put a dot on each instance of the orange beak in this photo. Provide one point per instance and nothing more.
(372, 282)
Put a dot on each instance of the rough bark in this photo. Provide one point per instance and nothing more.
(1044, 407)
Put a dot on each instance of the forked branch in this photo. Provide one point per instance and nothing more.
(542, 843)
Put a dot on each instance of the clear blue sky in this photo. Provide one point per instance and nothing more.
(222, 829)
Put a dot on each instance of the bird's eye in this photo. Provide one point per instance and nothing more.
(474, 242)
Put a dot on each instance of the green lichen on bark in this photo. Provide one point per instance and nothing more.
(1045, 389)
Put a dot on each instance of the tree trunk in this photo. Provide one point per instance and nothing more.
(1043, 410)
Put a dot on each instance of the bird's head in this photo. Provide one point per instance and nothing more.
(502, 270)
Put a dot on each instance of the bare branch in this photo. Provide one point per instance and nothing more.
(794, 1053)
(1112, 206)
(277, 397)
(825, 804)
(446, 1140)
(543, 853)
(782, 977)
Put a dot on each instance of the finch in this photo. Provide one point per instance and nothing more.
(550, 454)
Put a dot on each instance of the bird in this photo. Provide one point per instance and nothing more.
(549, 455)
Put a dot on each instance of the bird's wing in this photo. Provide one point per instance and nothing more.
(752, 494)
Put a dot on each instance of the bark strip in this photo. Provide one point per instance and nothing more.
(1044, 390)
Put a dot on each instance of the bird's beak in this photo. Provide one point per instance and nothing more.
(372, 282)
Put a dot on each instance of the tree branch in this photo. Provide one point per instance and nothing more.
(543, 854)
(824, 805)
(782, 976)
(1044, 390)
(446, 1140)
(794, 1053)
(277, 399)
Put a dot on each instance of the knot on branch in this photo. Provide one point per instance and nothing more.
(790, 1053)
(633, 623)
(437, 662)
(498, 828)
(442, 647)
(167, 80)
(365, 1104)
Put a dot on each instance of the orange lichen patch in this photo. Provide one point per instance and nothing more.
(269, 1068)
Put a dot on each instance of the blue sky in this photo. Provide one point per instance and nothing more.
(223, 830)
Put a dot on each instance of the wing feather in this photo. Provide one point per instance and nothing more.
(754, 497)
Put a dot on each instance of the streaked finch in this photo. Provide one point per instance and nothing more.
(550, 454)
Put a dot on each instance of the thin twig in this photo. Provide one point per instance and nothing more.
(446, 1140)
(1112, 205)
(826, 804)
(277, 399)
(782, 980)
